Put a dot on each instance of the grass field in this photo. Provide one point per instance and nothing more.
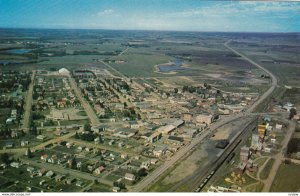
(266, 171)
(287, 179)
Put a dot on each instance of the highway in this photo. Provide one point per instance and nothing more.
(152, 177)
(273, 77)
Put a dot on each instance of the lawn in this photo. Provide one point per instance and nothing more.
(265, 172)
(287, 179)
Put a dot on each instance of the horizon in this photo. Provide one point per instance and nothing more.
(144, 30)
(176, 15)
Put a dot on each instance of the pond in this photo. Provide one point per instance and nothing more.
(173, 66)
(19, 51)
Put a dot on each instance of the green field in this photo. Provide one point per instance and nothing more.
(266, 171)
(287, 179)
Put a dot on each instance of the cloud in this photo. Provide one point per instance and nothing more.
(107, 12)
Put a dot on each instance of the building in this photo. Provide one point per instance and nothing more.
(165, 130)
(129, 176)
(159, 150)
(256, 142)
(204, 119)
(155, 137)
(99, 170)
(188, 117)
(262, 130)
(175, 140)
(116, 189)
(244, 154)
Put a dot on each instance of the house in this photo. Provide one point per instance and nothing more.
(267, 118)
(188, 117)
(145, 164)
(159, 150)
(40, 137)
(70, 180)
(99, 170)
(175, 140)
(155, 137)
(111, 142)
(116, 189)
(79, 184)
(24, 143)
(129, 176)
(69, 144)
(59, 178)
(153, 161)
(278, 126)
(42, 182)
(121, 144)
(30, 169)
(15, 164)
(50, 174)
(44, 157)
(42, 172)
(124, 156)
(190, 133)
(204, 119)
(9, 144)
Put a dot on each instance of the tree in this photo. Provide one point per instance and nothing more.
(5, 158)
(175, 90)
(293, 112)
(74, 163)
(142, 172)
(29, 153)
(87, 127)
(77, 135)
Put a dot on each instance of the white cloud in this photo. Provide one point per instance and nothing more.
(107, 12)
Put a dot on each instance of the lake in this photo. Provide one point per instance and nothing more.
(177, 65)
(19, 51)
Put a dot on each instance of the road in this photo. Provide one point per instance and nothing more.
(40, 146)
(88, 109)
(123, 51)
(273, 77)
(28, 104)
(65, 171)
(183, 151)
(279, 158)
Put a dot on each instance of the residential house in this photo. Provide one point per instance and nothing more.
(99, 170)
(50, 174)
(129, 176)
(204, 119)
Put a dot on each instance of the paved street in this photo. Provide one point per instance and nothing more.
(28, 104)
(88, 109)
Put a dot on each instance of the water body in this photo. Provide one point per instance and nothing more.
(177, 65)
(8, 62)
(19, 51)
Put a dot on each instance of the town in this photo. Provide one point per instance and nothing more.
(105, 112)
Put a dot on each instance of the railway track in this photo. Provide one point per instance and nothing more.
(202, 179)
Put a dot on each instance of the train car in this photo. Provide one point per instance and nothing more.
(230, 157)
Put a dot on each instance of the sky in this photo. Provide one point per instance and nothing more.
(179, 15)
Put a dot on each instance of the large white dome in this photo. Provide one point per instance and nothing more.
(63, 71)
